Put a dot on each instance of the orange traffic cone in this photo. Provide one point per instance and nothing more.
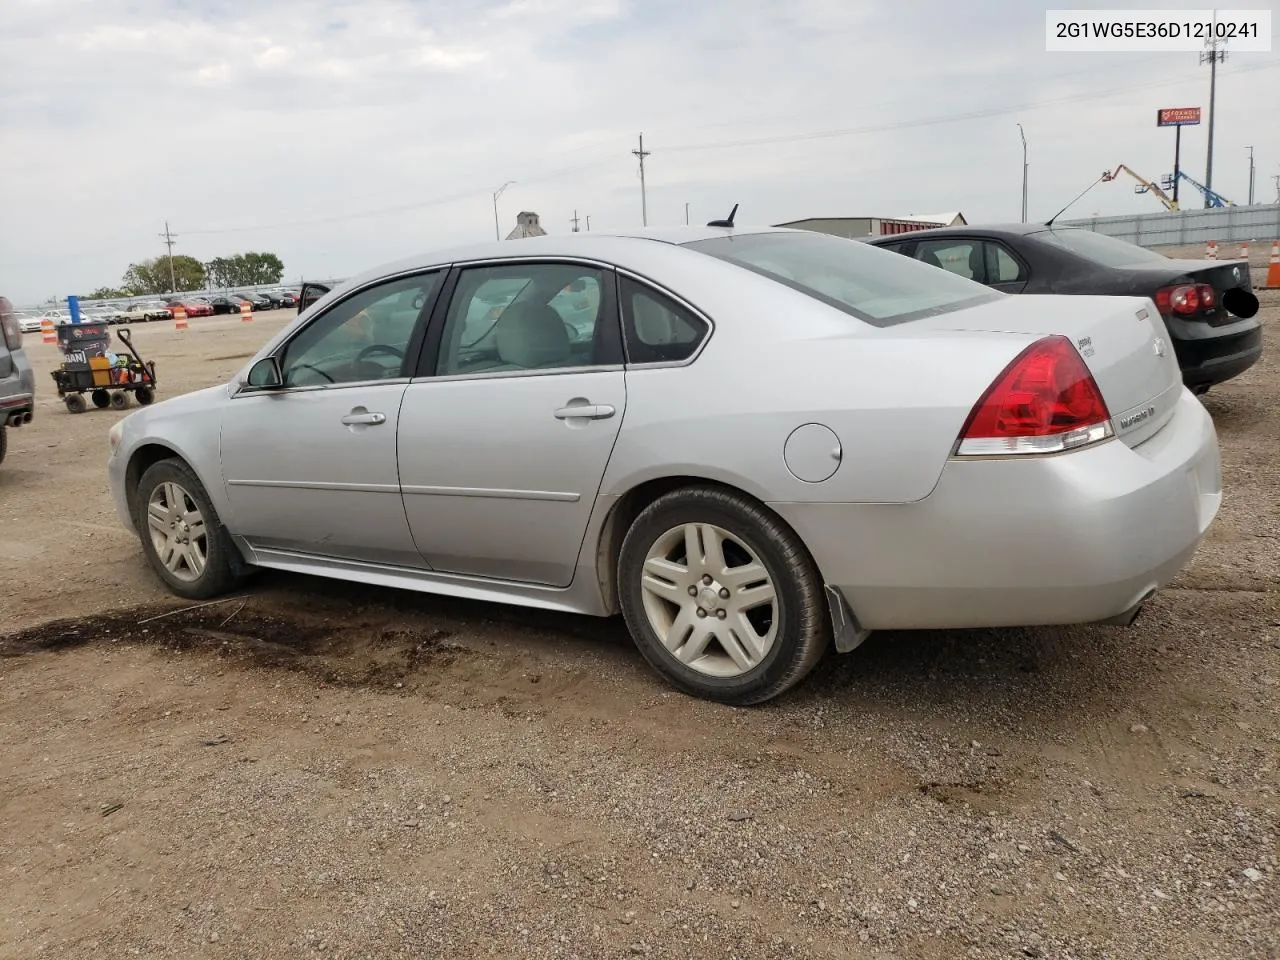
(1273, 268)
(1211, 250)
(1244, 249)
(179, 318)
(47, 333)
(246, 311)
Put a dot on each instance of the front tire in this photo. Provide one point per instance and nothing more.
(721, 597)
(181, 534)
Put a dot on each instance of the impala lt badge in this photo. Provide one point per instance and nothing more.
(1136, 418)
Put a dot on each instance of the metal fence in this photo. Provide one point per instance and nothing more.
(1260, 222)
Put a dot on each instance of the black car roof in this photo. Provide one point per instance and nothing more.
(986, 230)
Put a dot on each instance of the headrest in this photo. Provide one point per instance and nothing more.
(532, 336)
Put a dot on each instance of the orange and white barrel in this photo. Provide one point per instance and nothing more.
(47, 332)
(179, 318)
(246, 311)
(1211, 250)
(1273, 268)
(1244, 249)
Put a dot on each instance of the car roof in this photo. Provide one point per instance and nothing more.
(972, 230)
(612, 246)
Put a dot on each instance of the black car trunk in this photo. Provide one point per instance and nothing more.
(1233, 297)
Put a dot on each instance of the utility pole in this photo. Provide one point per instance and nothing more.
(1212, 57)
(1250, 149)
(686, 214)
(1024, 172)
(169, 239)
(1276, 178)
(588, 224)
(644, 200)
(574, 221)
(497, 232)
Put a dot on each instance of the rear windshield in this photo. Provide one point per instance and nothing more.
(1098, 247)
(874, 285)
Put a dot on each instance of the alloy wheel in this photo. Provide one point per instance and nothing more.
(178, 531)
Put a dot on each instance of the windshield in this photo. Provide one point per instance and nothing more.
(1098, 247)
(874, 285)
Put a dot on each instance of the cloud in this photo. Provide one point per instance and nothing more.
(341, 133)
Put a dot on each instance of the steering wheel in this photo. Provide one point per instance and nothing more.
(376, 348)
(315, 369)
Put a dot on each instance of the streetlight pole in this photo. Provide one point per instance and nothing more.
(1023, 134)
(1250, 149)
(497, 232)
(686, 214)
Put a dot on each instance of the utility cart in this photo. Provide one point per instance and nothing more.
(90, 366)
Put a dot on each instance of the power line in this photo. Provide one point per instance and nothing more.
(931, 121)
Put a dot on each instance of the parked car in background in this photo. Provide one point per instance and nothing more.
(1208, 306)
(194, 307)
(147, 310)
(17, 380)
(226, 304)
(286, 298)
(646, 465)
(29, 322)
(256, 300)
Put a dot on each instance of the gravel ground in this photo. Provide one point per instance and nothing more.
(313, 769)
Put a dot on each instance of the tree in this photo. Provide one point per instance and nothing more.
(152, 276)
(106, 293)
(261, 268)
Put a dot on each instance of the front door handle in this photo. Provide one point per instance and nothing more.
(585, 411)
(354, 419)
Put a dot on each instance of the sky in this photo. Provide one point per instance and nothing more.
(341, 134)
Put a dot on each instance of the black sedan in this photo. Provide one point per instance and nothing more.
(1208, 306)
(227, 304)
(258, 301)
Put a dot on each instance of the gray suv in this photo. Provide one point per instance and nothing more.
(17, 381)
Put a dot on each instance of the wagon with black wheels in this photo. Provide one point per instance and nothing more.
(91, 367)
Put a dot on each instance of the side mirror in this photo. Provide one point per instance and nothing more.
(265, 374)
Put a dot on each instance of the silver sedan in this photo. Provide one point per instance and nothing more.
(752, 443)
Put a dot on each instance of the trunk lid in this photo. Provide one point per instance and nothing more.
(1222, 275)
(1123, 341)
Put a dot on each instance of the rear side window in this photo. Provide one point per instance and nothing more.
(961, 257)
(656, 328)
(871, 284)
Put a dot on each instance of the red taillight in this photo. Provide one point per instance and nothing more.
(1185, 299)
(1045, 401)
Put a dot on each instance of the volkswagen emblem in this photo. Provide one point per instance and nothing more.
(1158, 346)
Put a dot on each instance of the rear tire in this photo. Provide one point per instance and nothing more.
(144, 396)
(182, 537)
(721, 597)
(100, 398)
(119, 400)
(75, 403)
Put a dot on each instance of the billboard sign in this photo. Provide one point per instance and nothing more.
(1178, 117)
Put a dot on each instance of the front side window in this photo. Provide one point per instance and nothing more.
(528, 316)
(365, 337)
(874, 285)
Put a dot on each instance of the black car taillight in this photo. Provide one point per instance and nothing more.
(1185, 299)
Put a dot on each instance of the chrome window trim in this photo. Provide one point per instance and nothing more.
(519, 374)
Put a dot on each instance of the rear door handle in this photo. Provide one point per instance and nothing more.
(364, 419)
(585, 411)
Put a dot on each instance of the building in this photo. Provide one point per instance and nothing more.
(527, 225)
(853, 228)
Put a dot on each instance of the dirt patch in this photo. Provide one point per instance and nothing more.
(338, 653)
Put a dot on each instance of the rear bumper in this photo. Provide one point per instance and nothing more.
(1074, 538)
(1216, 359)
(17, 409)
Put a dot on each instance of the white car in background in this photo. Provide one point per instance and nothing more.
(29, 322)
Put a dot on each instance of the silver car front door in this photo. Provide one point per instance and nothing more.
(503, 447)
(310, 465)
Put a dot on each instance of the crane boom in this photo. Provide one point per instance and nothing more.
(1144, 185)
(1214, 198)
